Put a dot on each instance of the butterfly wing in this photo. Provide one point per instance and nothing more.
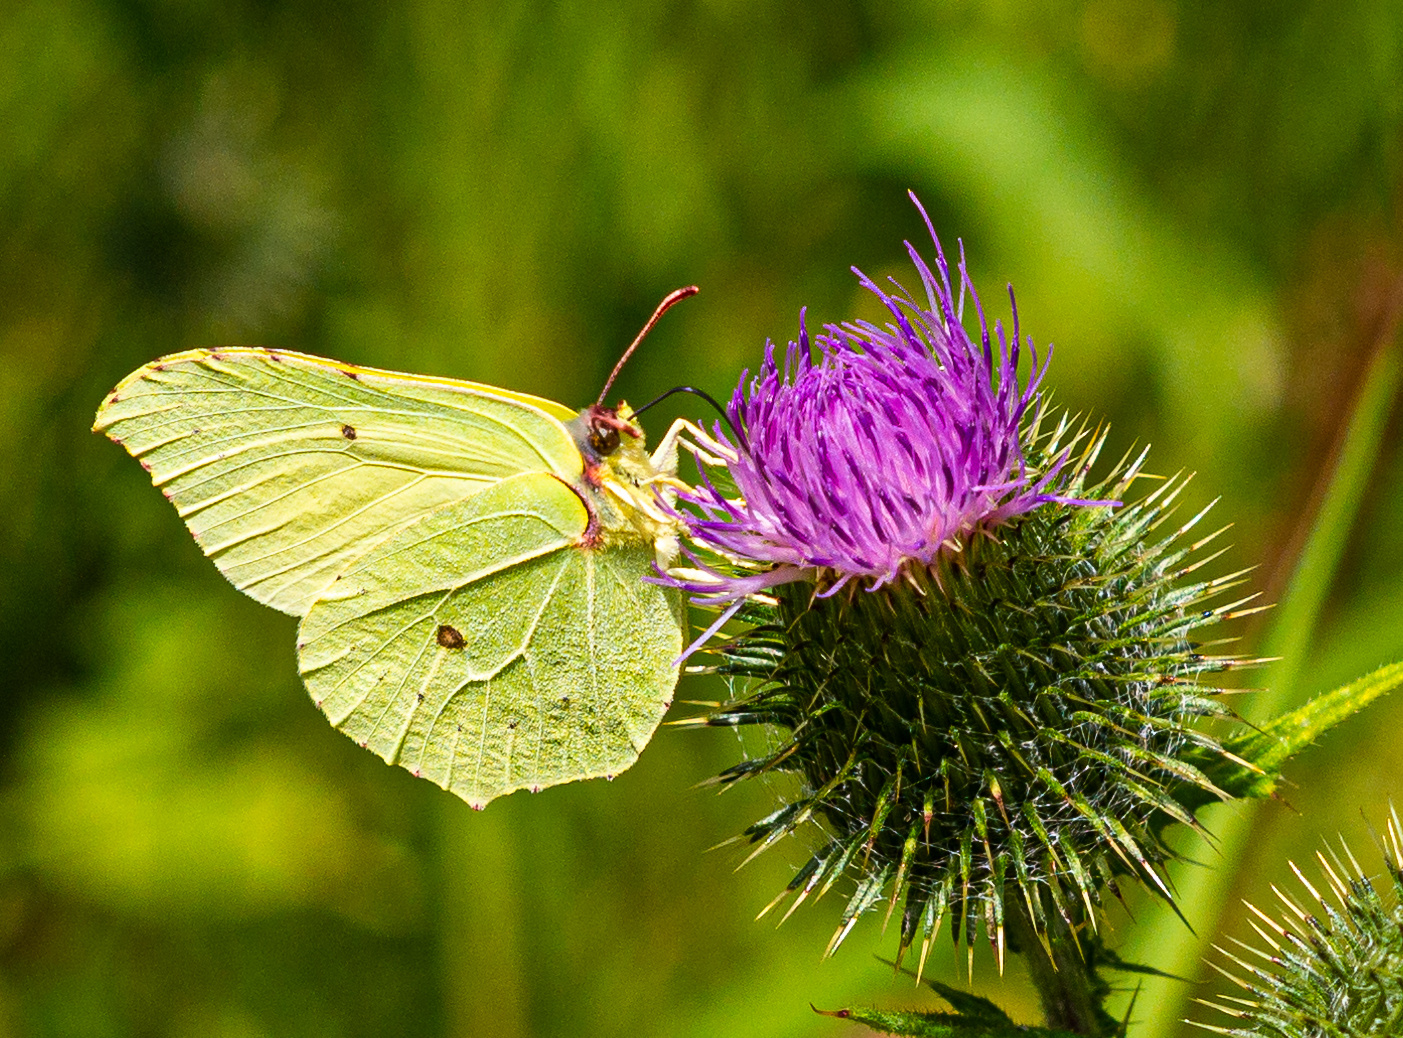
(287, 468)
(486, 648)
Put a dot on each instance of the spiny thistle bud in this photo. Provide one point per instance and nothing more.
(1334, 967)
(977, 664)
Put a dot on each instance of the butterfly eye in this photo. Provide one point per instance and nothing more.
(604, 439)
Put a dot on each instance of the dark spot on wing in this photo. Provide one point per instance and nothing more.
(512, 725)
(348, 431)
(274, 357)
(450, 637)
(350, 374)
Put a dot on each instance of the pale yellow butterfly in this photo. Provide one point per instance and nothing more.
(468, 563)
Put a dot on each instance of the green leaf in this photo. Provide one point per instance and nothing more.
(967, 1004)
(940, 1025)
(1277, 741)
(1264, 751)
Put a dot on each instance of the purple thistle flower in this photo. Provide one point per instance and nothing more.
(1006, 720)
(890, 448)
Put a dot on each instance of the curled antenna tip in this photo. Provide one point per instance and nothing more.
(670, 300)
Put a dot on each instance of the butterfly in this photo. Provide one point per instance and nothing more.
(468, 563)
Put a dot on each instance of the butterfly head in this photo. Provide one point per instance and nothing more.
(602, 431)
(622, 485)
(629, 495)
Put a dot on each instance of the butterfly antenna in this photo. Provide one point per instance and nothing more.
(740, 437)
(663, 307)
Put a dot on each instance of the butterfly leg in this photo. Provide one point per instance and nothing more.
(696, 440)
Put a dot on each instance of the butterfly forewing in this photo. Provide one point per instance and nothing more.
(287, 468)
(484, 648)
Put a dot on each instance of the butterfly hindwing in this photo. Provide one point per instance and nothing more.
(287, 467)
(487, 648)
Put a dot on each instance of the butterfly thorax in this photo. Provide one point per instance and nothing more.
(623, 488)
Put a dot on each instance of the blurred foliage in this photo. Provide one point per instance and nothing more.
(1198, 201)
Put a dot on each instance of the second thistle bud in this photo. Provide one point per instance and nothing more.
(1333, 961)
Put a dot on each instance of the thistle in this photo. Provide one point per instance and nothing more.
(976, 663)
(1333, 964)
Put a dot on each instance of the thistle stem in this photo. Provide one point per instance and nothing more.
(1068, 987)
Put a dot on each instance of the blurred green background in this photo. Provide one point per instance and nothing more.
(1198, 202)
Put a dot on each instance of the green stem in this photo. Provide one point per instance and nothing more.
(1160, 939)
(1067, 984)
